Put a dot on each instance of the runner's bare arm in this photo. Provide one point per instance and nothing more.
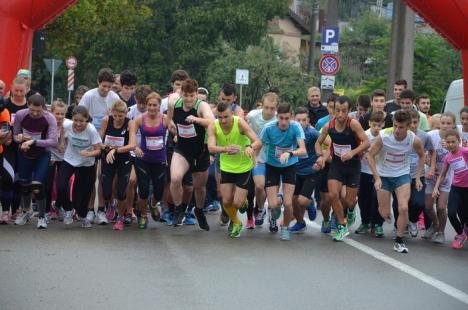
(102, 130)
(361, 134)
(374, 150)
(419, 149)
(205, 115)
(442, 176)
(432, 164)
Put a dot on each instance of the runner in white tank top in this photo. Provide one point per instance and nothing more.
(391, 150)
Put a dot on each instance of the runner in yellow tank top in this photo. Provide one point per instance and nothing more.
(232, 137)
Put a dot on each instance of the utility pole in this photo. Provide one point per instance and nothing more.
(331, 20)
(402, 46)
(313, 31)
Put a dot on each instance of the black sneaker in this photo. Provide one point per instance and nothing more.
(201, 219)
(179, 213)
(273, 226)
(128, 220)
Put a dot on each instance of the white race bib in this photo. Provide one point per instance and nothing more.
(154, 143)
(97, 121)
(339, 149)
(32, 135)
(114, 141)
(458, 164)
(394, 158)
(281, 150)
(186, 131)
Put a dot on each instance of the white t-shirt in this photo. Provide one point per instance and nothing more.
(98, 106)
(257, 122)
(164, 104)
(77, 142)
(434, 135)
(132, 114)
(393, 159)
(365, 168)
(463, 135)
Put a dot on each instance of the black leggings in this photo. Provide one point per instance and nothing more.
(82, 187)
(54, 167)
(457, 205)
(11, 190)
(146, 172)
(122, 168)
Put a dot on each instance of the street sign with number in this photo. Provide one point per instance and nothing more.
(329, 64)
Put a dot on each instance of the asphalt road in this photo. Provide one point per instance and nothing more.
(67, 267)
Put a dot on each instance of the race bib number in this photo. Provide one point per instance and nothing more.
(339, 149)
(281, 150)
(114, 141)
(394, 158)
(80, 144)
(186, 131)
(154, 143)
(32, 135)
(458, 164)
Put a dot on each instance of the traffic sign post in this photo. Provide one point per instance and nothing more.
(71, 62)
(242, 78)
(329, 64)
(52, 65)
(330, 38)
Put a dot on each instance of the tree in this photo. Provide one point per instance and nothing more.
(153, 37)
(268, 68)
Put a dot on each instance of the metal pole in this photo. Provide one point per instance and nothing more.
(69, 97)
(240, 97)
(52, 84)
(313, 30)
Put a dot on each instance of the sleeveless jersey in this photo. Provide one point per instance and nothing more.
(153, 141)
(342, 142)
(393, 159)
(190, 137)
(117, 137)
(237, 163)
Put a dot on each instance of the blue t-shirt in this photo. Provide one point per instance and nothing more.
(278, 142)
(304, 165)
(321, 122)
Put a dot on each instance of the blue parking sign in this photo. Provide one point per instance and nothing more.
(330, 38)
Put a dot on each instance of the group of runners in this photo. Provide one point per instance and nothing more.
(151, 156)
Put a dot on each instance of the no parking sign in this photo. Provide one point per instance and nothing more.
(329, 64)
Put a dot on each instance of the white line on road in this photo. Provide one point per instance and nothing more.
(441, 286)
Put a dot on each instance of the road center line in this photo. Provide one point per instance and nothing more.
(441, 286)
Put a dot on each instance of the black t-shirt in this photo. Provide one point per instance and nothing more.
(316, 113)
(364, 120)
(130, 102)
(391, 106)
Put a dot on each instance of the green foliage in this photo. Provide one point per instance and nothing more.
(268, 68)
(152, 37)
(365, 48)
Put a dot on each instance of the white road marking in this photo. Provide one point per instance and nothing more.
(441, 286)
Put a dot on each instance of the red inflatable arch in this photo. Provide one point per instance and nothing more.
(18, 21)
(450, 19)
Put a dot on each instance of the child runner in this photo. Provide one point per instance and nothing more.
(456, 160)
(83, 146)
